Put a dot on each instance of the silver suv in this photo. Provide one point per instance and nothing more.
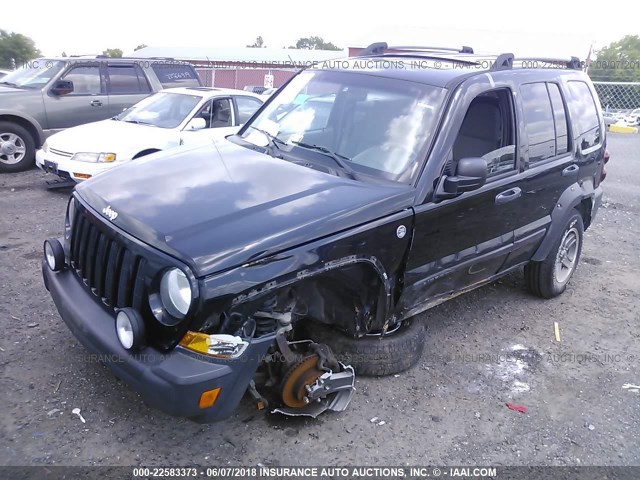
(47, 95)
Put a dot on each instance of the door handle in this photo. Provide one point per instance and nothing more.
(96, 103)
(570, 169)
(508, 195)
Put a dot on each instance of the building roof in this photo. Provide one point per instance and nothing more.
(207, 55)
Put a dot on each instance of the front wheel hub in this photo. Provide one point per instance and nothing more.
(298, 380)
(316, 383)
(12, 148)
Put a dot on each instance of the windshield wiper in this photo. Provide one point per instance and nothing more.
(273, 140)
(10, 84)
(339, 159)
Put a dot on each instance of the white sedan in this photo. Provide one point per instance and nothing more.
(167, 119)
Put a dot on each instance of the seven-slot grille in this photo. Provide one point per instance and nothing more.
(108, 268)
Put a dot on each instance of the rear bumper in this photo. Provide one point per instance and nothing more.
(173, 381)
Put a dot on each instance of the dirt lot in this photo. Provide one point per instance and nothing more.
(491, 346)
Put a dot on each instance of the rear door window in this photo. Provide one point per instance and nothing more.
(125, 79)
(560, 119)
(176, 75)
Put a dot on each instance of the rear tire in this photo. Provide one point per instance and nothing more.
(17, 148)
(549, 278)
(375, 355)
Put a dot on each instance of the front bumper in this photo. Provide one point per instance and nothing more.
(173, 381)
(66, 168)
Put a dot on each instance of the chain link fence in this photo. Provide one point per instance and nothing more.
(620, 97)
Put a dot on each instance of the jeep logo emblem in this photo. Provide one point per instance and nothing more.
(109, 213)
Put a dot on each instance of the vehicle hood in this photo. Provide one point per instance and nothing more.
(122, 138)
(218, 207)
(7, 90)
(24, 100)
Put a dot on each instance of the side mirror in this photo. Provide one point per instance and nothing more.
(62, 87)
(471, 174)
(197, 123)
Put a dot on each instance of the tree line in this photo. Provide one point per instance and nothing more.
(306, 43)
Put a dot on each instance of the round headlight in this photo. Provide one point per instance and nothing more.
(175, 292)
(130, 329)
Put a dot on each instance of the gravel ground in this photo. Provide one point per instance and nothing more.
(486, 348)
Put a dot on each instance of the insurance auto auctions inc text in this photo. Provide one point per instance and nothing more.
(370, 472)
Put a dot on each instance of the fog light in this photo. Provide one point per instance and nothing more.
(54, 254)
(130, 329)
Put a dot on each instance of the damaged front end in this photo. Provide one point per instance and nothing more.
(193, 341)
(281, 298)
(295, 377)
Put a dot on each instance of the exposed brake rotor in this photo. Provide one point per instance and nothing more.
(302, 374)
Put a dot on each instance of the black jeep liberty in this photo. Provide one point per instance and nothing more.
(302, 248)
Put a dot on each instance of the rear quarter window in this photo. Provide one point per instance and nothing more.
(584, 115)
(176, 75)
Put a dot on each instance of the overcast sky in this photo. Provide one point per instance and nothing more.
(544, 27)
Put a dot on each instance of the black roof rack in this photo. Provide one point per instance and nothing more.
(505, 61)
(378, 48)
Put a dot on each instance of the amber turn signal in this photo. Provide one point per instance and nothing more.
(208, 398)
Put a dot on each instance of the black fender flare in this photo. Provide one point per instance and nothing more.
(573, 196)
